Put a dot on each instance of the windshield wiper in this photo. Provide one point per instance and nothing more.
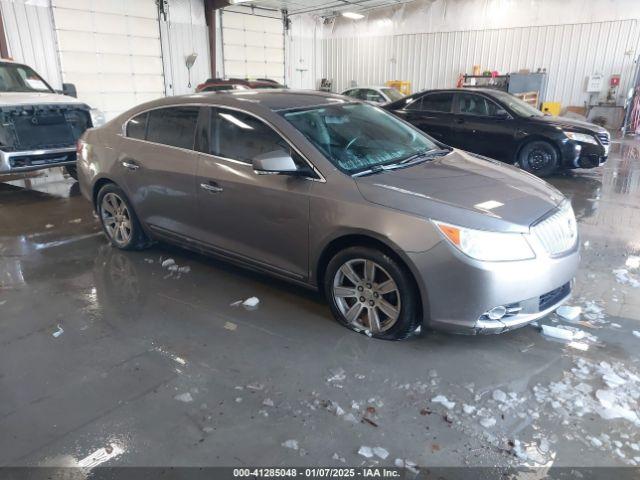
(372, 170)
(405, 162)
(436, 152)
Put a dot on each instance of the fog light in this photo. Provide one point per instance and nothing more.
(496, 313)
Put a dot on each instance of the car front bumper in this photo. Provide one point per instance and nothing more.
(584, 155)
(457, 291)
(28, 161)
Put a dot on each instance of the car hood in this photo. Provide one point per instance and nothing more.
(36, 98)
(466, 190)
(569, 123)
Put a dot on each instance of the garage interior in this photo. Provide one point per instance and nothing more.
(109, 358)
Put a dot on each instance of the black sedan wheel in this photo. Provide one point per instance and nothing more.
(539, 157)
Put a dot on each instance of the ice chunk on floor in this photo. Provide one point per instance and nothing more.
(267, 402)
(292, 444)
(58, 332)
(251, 302)
(184, 397)
(408, 464)
(636, 333)
(488, 422)
(625, 278)
(611, 409)
(499, 396)
(366, 452)
(468, 409)
(337, 375)
(168, 262)
(441, 399)
(568, 312)
(557, 332)
(380, 452)
(633, 262)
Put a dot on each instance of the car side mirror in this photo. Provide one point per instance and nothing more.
(274, 163)
(69, 89)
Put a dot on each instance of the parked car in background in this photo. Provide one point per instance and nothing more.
(219, 84)
(499, 125)
(339, 196)
(374, 94)
(39, 126)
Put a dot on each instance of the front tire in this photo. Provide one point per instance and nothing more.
(119, 221)
(370, 292)
(539, 158)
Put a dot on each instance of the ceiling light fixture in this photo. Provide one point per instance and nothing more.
(352, 15)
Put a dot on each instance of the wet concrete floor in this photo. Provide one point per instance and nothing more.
(107, 353)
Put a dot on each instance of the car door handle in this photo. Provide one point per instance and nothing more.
(212, 187)
(129, 165)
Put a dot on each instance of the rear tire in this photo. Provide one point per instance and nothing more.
(72, 171)
(372, 293)
(119, 221)
(539, 158)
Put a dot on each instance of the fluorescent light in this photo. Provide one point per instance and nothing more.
(235, 2)
(352, 15)
(236, 121)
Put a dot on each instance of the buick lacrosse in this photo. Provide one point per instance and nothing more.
(394, 228)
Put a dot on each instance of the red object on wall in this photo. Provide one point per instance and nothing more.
(614, 81)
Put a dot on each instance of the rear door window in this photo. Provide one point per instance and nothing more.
(471, 104)
(173, 126)
(137, 126)
(437, 102)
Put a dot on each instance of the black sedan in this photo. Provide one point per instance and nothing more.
(498, 125)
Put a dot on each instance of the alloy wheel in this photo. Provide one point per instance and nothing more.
(116, 219)
(366, 295)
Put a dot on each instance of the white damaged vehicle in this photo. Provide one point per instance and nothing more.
(39, 127)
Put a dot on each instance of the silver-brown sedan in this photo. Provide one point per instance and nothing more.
(394, 228)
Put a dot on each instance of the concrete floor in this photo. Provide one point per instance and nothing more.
(153, 368)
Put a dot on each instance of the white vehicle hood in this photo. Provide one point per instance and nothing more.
(36, 98)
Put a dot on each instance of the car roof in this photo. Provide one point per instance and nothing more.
(273, 99)
(375, 87)
(488, 91)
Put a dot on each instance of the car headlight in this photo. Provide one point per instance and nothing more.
(97, 117)
(485, 245)
(581, 137)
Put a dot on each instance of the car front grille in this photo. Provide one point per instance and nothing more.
(554, 296)
(559, 232)
(604, 138)
(41, 127)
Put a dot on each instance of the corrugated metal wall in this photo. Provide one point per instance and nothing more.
(434, 60)
(35, 46)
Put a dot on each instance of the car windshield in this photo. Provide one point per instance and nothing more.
(392, 93)
(358, 137)
(20, 78)
(520, 107)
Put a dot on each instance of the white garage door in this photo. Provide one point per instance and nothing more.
(110, 49)
(253, 44)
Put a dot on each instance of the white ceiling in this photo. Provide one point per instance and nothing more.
(324, 8)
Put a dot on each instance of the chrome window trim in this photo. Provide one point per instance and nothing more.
(123, 133)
